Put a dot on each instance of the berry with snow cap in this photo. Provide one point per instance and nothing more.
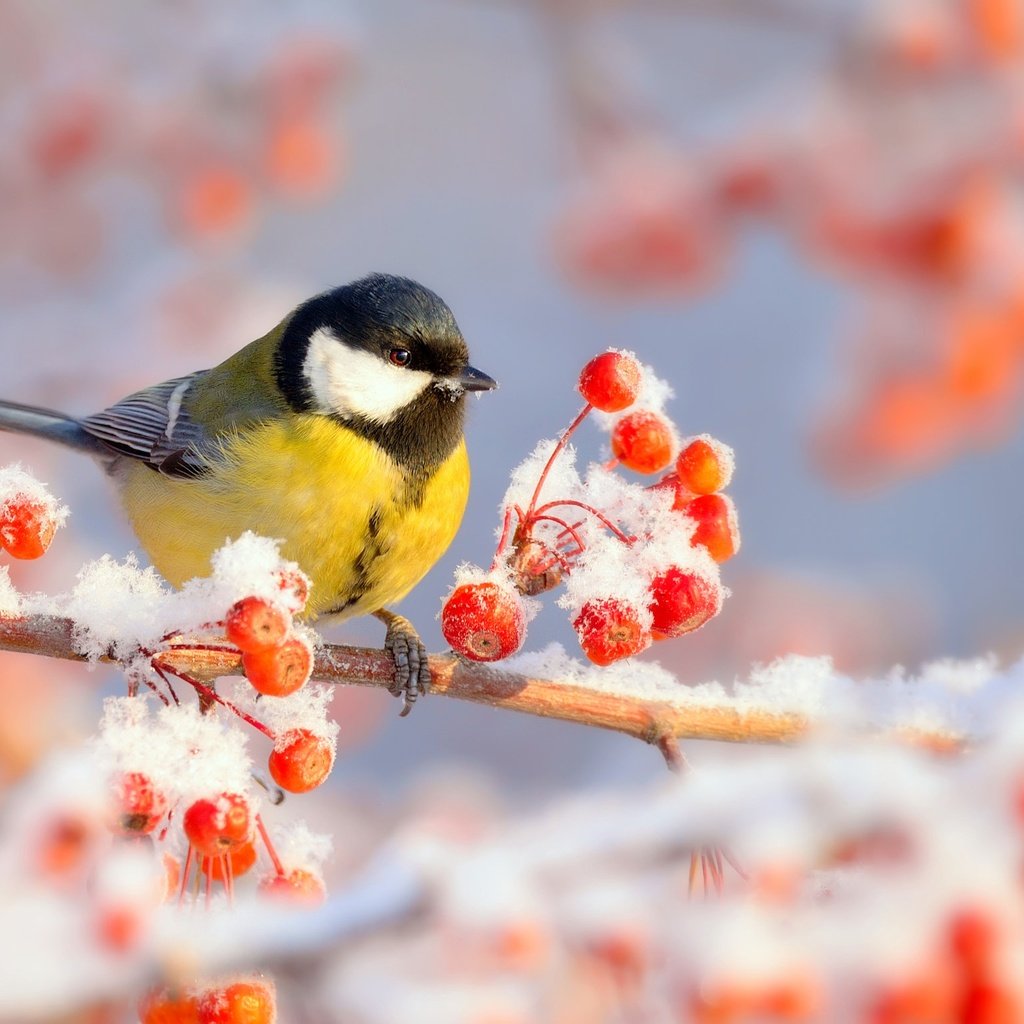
(138, 804)
(705, 465)
(218, 825)
(643, 441)
(301, 760)
(717, 525)
(611, 381)
(611, 629)
(26, 527)
(241, 1002)
(483, 621)
(295, 886)
(255, 624)
(682, 601)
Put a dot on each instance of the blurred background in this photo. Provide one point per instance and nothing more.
(806, 216)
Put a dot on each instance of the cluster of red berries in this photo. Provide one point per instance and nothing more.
(244, 1001)
(27, 525)
(277, 663)
(667, 555)
(222, 831)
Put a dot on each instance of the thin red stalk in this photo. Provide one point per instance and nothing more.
(562, 442)
(160, 672)
(174, 695)
(719, 864)
(601, 517)
(734, 863)
(716, 876)
(704, 872)
(561, 522)
(209, 881)
(693, 874)
(152, 686)
(278, 866)
(184, 875)
(503, 540)
(212, 694)
(561, 538)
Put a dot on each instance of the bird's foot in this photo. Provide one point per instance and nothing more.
(412, 672)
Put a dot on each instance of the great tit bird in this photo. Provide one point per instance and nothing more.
(340, 432)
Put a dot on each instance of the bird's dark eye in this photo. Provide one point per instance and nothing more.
(399, 356)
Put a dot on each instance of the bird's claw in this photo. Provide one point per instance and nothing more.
(412, 671)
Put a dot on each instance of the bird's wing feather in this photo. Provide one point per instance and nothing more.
(153, 425)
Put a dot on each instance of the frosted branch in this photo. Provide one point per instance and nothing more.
(655, 721)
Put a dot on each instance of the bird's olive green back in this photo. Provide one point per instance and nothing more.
(241, 390)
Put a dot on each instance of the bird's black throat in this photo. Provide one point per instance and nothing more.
(421, 436)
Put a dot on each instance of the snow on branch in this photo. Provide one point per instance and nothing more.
(638, 699)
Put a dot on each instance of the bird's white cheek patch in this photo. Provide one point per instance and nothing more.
(350, 382)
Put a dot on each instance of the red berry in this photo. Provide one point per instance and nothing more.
(990, 1002)
(139, 805)
(255, 624)
(483, 621)
(240, 860)
(717, 525)
(296, 886)
(609, 629)
(279, 671)
(643, 441)
(119, 928)
(610, 382)
(164, 1006)
(64, 844)
(300, 760)
(974, 940)
(244, 1002)
(682, 601)
(26, 527)
(704, 466)
(218, 825)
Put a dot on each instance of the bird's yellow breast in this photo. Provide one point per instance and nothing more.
(363, 530)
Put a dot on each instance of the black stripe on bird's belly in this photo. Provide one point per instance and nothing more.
(373, 548)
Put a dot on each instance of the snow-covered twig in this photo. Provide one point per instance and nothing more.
(650, 718)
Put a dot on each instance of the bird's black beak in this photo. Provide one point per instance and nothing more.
(473, 380)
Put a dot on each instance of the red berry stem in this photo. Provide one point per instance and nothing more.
(278, 866)
(600, 516)
(505, 531)
(562, 442)
(210, 694)
(184, 874)
(228, 874)
(566, 529)
(153, 687)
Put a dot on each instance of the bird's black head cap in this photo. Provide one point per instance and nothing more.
(381, 314)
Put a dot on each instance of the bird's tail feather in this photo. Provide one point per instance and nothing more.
(54, 426)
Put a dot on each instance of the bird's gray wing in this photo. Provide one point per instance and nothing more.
(153, 426)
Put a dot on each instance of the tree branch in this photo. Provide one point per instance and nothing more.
(653, 721)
